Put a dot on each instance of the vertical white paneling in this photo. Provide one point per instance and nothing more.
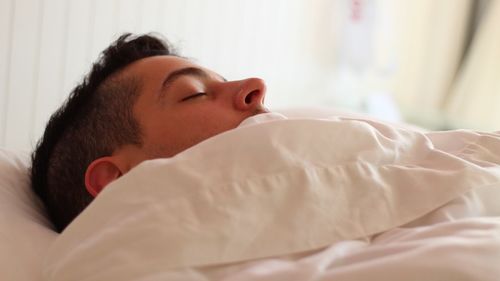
(91, 36)
(215, 38)
(6, 18)
(231, 48)
(51, 67)
(202, 30)
(237, 38)
(171, 23)
(77, 61)
(254, 38)
(148, 19)
(103, 29)
(36, 73)
(250, 48)
(160, 22)
(22, 73)
(128, 15)
(191, 29)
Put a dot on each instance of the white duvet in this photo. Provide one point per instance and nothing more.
(339, 199)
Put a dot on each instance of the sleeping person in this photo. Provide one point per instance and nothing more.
(191, 178)
(140, 101)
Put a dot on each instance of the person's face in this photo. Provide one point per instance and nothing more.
(181, 104)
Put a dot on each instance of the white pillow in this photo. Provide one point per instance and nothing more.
(322, 112)
(238, 197)
(25, 231)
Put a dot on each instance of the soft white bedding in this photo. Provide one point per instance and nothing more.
(433, 214)
(456, 250)
(25, 233)
(297, 199)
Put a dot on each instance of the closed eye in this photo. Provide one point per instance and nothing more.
(194, 96)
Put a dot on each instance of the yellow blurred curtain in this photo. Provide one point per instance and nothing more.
(474, 100)
(410, 50)
(431, 38)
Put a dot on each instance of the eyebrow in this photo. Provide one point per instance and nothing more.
(187, 71)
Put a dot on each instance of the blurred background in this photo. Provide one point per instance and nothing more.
(432, 63)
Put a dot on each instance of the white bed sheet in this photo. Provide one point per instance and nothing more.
(25, 232)
(459, 241)
(190, 237)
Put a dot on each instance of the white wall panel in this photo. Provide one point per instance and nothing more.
(148, 17)
(6, 17)
(55, 42)
(51, 69)
(128, 15)
(104, 27)
(172, 22)
(23, 73)
(77, 58)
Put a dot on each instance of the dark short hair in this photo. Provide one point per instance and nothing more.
(95, 120)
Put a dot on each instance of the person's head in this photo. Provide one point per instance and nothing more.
(140, 101)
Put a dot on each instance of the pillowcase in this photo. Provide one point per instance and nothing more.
(322, 112)
(25, 231)
(248, 193)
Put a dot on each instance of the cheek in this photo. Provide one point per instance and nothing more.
(183, 129)
(211, 124)
(211, 117)
(222, 122)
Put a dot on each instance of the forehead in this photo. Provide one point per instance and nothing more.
(157, 66)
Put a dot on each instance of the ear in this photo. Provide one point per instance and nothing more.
(100, 173)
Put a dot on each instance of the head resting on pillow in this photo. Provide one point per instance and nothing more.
(139, 101)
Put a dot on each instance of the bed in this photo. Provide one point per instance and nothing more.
(426, 207)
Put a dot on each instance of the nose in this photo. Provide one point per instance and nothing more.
(251, 94)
